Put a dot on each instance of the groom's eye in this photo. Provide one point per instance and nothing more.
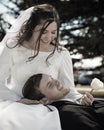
(50, 85)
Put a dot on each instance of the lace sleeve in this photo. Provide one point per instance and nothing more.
(66, 76)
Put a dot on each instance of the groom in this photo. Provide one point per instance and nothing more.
(47, 90)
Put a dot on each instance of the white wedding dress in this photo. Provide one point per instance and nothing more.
(15, 70)
(18, 116)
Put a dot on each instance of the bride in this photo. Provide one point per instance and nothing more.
(15, 68)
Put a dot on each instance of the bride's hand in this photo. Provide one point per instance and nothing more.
(28, 101)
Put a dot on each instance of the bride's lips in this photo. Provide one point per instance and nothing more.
(45, 41)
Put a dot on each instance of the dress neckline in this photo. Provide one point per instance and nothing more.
(24, 48)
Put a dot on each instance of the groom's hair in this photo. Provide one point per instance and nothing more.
(31, 88)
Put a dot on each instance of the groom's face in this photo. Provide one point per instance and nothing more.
(52, 88)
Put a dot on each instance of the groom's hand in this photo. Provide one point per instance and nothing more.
(87, 99)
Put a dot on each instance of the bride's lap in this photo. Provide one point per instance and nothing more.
(18, 116)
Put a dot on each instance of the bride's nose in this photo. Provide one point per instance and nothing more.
(48, 36)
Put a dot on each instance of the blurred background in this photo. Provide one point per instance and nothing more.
(81, 32)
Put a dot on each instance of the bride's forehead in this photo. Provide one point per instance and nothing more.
(52, 25)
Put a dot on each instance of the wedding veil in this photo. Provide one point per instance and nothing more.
(13, 31)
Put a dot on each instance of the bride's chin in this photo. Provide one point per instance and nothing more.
(45, 42)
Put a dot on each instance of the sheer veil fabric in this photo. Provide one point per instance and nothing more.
(12, 32)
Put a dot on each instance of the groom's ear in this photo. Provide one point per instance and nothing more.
(45, 101)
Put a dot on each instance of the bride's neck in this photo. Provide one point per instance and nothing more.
(28, 45)
(43, 47)
(47, 48)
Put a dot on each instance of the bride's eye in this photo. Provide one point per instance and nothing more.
(54, 32)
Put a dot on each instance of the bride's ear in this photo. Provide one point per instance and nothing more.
(45, 101)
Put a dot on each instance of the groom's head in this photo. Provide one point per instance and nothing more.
(44, 87)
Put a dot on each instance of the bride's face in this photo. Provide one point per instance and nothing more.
(49, 34)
